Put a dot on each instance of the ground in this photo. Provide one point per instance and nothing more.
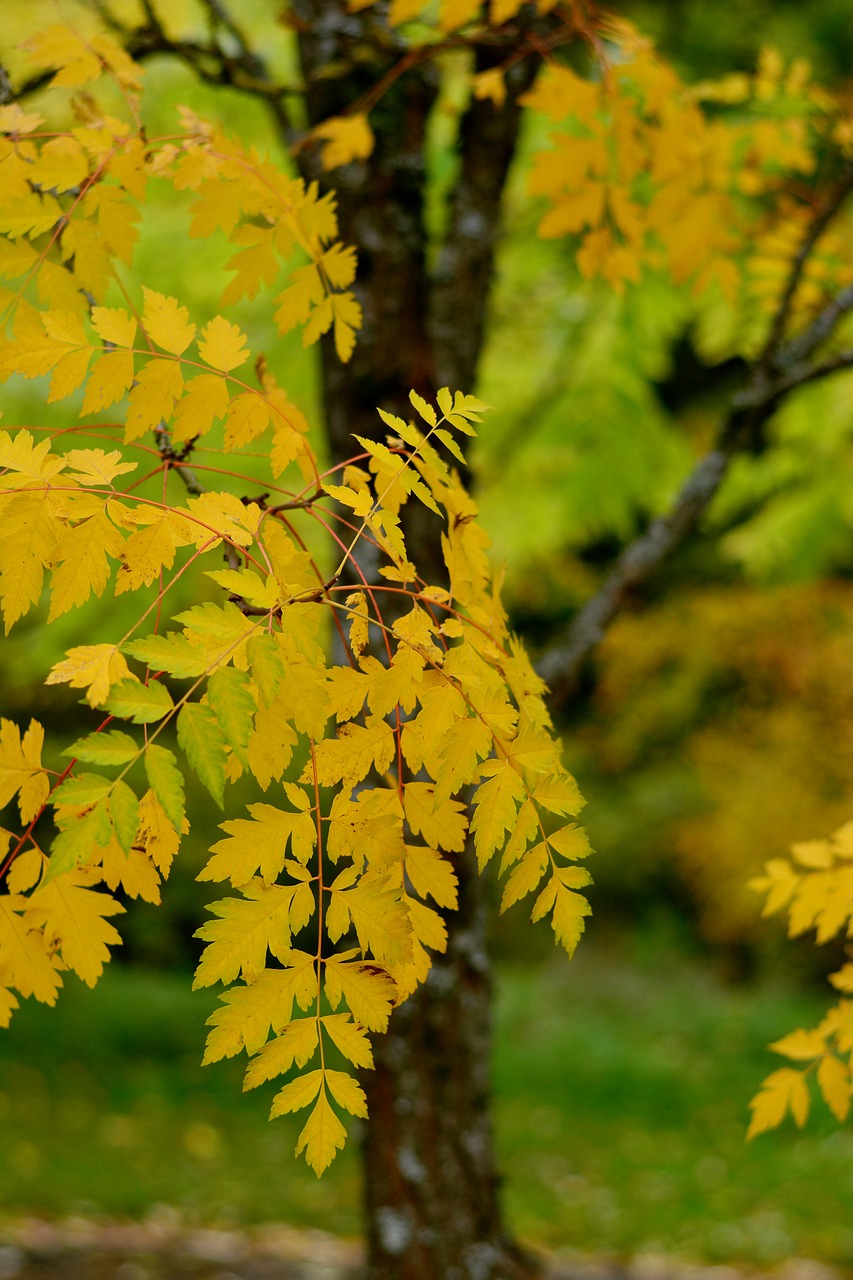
(77, 1249)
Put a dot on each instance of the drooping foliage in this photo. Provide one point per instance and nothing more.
(815, 886)
(367, 763)
(426, 736)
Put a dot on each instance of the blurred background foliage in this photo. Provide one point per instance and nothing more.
(718, 731)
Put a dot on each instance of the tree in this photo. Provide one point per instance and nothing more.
(725, 199)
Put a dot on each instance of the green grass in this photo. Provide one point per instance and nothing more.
(621, 1099)
(623, 1102)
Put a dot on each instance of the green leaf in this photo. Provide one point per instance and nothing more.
(267, 667)
(139, 703)
(204, 744)
(167, 783)
(232, 703)
(87, 788)
(78, 842)
(173, 653)
(124, 814)
(111, 747)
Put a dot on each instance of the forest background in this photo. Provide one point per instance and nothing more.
(718, 732)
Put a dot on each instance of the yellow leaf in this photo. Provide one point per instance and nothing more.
(431, 875)
(249, 1012)
(300, 1093)
(357, 749)
(81, 565)
(116, 327)
(156, 836)
(93, 667)
(223, 345)
(455, 13)
(238, 940)
(349, 1038)
(58, 47)
(13, 119)
(557, 792)
(570, 841)
(843, 979)
(495, 807)
(223, 514)
(19, 454)
(248, 417)
(255, 265)
(322, 1136)
(347, 1092)
(833, 1078)
(134, 872)
(8, 1003)
(490, 84)
(26, 963)
(271, 745)
(166, 322)
(560, 93)
(297, 301)
(781, 1091)
(345, 138)
(569, 910)
(367, 989)
(95, 467)
(61, 165)
(20, 765)
(465, 744)
(205, 398)
(260, 844)
(151, 547)
(525, 876)
(29, 533)
(366, 827)
(110, 378)
(801, 1046)
(356, 605)
(396, 684)
(442, 826)
(297, 1043)
(426, 925)
(26, 871)
(347, 319)
(221, 633)
(400, 11)
(159, 385)
(73, 917)
(377, 911)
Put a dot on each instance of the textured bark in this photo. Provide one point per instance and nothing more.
(432, 1200)
(430, 1182)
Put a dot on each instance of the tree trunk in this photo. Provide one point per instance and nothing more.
(431, 1188)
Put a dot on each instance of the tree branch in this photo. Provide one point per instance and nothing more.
(562, 665)
(781, 368)
(824, 215)
(462, 277)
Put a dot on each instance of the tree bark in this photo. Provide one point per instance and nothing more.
(431, 1189)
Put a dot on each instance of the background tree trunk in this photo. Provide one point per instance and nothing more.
(431, 1187)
